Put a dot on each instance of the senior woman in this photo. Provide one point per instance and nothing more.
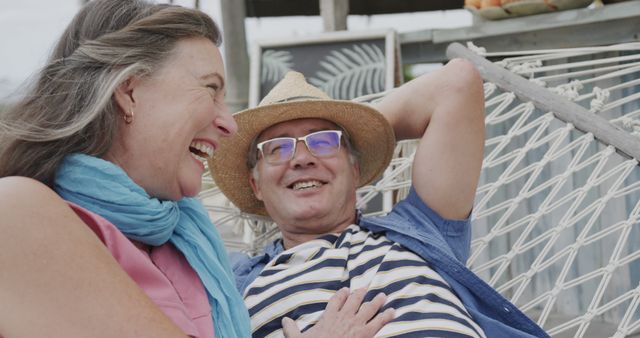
(99, 161)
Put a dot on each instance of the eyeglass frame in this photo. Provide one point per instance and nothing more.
(304, 138)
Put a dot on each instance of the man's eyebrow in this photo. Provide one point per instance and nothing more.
(213, 76)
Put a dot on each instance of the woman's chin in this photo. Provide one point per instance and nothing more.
(192, 189)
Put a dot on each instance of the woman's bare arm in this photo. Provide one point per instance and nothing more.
(58, 280)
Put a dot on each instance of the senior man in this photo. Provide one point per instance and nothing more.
(299, 157)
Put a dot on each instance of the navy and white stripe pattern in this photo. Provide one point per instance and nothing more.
(299, 282)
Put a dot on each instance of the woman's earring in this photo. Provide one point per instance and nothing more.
(128, 118)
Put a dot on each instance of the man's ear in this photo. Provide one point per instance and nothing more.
(254, 186)
(124, 94)
(355, 167)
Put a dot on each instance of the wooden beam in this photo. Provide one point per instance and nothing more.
(533, 23)
(270, 8)
(372, 7)
(563, 109)
(610, 24)
(274, 8)
(334, 14)
(236, 55)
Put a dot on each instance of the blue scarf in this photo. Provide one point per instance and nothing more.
(105, 189)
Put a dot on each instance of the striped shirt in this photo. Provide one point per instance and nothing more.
(299, 282)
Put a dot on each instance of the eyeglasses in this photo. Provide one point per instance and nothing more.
(279, 150)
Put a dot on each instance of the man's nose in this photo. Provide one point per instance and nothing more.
(302, 157)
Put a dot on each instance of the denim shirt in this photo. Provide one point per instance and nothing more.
(445, 244)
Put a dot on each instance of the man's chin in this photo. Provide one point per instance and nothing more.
(303, 214)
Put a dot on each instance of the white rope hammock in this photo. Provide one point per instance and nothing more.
(556, 220)
(601, 79)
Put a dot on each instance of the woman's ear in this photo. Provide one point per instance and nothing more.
(124, 94)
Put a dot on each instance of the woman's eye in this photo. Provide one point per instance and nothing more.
(215, 87)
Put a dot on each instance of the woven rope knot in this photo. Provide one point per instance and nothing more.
(635, 128)
(627, 123)
(476, 49)
(569, 90)
(538, 82)
(601, 97)
(526, 68)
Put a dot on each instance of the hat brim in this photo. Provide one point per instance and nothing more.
(370, 133)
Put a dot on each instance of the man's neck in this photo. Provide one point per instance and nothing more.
(292, 239)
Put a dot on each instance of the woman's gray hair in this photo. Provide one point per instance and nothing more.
(71, 106)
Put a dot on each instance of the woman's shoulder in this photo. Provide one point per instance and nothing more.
(24, 202)
(31, 208)
(24, 198)
(24, 187)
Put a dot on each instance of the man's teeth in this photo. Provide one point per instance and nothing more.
(306, 185)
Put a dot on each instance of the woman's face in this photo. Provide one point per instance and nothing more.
(179, 117)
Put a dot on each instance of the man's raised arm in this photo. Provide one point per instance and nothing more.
(445, 109)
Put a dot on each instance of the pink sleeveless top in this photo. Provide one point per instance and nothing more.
(164, 275)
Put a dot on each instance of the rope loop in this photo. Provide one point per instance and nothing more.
(539, 82)
(601, 97)
(526, 67)
(478, 50)
(569, 90)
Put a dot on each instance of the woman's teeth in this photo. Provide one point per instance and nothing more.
(199, 158)
(200, 150)
(202, 147)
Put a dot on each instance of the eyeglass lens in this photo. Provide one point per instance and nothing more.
(321, 144)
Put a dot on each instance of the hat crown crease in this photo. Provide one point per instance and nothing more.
(293, 85)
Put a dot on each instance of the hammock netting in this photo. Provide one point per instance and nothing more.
(556, 221)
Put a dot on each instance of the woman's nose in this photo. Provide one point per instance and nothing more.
(225, 123)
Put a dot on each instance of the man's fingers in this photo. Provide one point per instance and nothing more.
(337, 301)
(369, 309)
(379, 321)
(354, 301)
(289, 328)
(346, 316)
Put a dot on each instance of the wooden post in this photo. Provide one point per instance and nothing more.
(236, 55)
(334, 14)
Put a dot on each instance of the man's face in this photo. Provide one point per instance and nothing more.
(308, 194)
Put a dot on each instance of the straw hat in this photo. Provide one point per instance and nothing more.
(293, 98)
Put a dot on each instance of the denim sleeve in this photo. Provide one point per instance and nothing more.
(240, 264)
(456, 233)
(246, 269)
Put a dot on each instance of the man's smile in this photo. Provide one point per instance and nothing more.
(306, 184)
